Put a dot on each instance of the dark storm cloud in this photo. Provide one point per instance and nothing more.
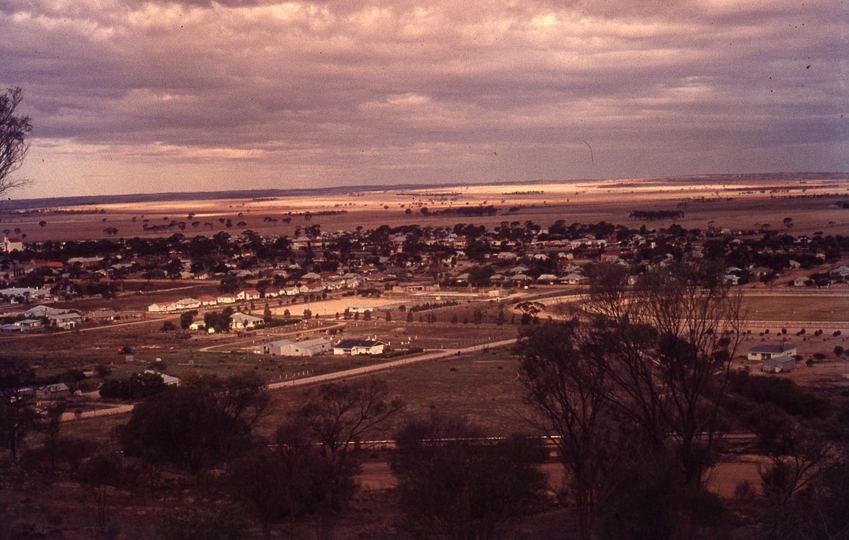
(401, 91)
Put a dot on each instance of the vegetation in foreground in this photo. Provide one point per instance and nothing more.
(636, 396)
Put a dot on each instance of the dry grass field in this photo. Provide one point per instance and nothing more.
(739, 203)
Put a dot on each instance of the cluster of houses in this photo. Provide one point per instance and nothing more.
(247, 295)
(316, 346)
(41, 316)
(513, 254)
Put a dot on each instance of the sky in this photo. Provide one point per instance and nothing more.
(141, 97)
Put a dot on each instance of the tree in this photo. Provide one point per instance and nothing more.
(50, 425)
(186, 319)
(667, 347)
(99, 473)
(17, 409)
(14, 129)
(454, 483)
(568, 392)
(337, 416)
(199, 425)
(136, 386)
(267, 317)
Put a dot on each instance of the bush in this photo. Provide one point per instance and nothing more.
(136, 386)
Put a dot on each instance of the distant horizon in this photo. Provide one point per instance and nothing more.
(12, 204)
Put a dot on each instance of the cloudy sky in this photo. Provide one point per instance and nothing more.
(128, 96)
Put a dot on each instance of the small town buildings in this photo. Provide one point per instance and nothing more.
(572, 279)
(249, 294)
(355, 347)
(187, 303)
(43, 311)
(766, 351)
(28, 324)
(285, 347)
(101, 315)
(207, 300)
(779, 364)
(65, 321)
(161, 307)
(243, 320)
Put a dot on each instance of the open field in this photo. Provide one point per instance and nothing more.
(744, 202)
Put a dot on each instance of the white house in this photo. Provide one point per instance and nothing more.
(766, 351)
(12, 244)
(243, 320)
(161, 307)
(187, 303)
(357, 347)
(226, 299)
(249, 294)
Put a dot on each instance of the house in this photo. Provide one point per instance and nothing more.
(53, 391)
(730, 279)
(207, 300)
(249, 294)
(841, 271)
(187, 303)
(243, 320)
(779, 364)
(358, 346)
(28, 324)
(767, 351)
(802, 281)
(573, 279)
(65, 321)
(169, 380)
(161, 307)
(43, 311)
(101, 315)
(226, 299)
(12, 244)
(309, 347)
(546, 278)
